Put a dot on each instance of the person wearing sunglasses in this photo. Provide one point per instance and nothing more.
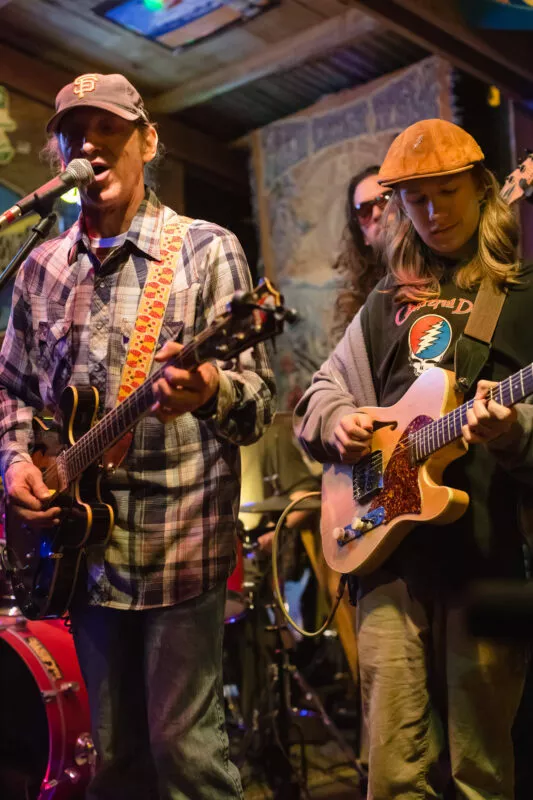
(358, 265)
(369, 201)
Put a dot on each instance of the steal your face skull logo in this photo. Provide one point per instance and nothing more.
(429, 339)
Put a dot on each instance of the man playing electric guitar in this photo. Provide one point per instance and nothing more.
(148, 627)
(439, 704)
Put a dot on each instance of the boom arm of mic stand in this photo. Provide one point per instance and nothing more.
(40, 232)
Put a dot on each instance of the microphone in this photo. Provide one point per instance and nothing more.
(78, 173)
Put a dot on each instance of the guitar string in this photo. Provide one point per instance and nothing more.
(413, 442)
(83, 450)
(91, 437)
(417, 438)
(74, 457)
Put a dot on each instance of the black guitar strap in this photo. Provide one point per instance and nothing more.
(473, 345)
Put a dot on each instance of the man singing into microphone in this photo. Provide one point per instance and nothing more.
(78, 173)
(148, 626)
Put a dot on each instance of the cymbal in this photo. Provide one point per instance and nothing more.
(279, 502)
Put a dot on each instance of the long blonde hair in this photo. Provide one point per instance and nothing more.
(416, 269)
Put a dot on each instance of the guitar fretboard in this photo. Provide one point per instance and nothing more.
(446, 429)
(121, 419)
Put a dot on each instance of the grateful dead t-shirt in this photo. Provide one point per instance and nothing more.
(404, 340)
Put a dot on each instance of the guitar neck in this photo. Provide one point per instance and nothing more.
(446, 429)
(250, 317)
(112, 427)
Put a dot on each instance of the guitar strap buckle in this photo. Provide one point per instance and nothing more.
(470, 357)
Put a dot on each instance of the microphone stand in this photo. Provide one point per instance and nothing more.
(40, 232)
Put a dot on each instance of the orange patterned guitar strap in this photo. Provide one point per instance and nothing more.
(152, 307)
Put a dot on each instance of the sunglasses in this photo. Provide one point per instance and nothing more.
(363, 211)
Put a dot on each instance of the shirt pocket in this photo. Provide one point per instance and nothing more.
(53, 346)
(171, 331)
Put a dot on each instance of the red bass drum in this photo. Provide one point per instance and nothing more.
(45, 747)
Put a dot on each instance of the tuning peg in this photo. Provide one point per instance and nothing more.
(527, 188)
(291, 316)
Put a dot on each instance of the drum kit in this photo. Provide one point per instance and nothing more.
(46, 750)
(242, 583)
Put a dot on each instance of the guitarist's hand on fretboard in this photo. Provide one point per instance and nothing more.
(182, 390)
(27, 492)
(352, 437)
(487, 419)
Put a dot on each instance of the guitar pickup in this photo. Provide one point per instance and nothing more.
(368, 476)
(359, 526)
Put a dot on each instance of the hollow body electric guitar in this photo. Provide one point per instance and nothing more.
(369, 508)
(45, 564)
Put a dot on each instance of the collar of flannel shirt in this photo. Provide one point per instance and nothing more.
(144, 233)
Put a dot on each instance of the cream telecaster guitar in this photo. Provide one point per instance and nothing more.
(368, 508)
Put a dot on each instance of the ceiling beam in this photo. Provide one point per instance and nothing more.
(41, 82)
(502, 58)
(318, 40)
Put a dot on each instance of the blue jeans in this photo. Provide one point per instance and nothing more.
(154, 679)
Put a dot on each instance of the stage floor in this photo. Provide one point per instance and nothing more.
(329, 777)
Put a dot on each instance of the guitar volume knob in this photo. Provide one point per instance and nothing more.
(342, 535)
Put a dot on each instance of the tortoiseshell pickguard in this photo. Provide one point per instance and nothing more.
(400, 493)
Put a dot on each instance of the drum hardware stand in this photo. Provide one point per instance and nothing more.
(275, 708)
(291, 672)
(271, 721)
(230, 693)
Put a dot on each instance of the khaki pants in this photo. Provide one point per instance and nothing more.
(435, 700)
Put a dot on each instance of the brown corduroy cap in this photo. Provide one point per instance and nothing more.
(113, 93)
(428, 148)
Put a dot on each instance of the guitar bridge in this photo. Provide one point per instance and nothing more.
(368, 476)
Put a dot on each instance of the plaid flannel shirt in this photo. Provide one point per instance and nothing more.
(177, 492)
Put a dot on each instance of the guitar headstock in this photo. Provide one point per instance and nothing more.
(251, 317)
(519, 181)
